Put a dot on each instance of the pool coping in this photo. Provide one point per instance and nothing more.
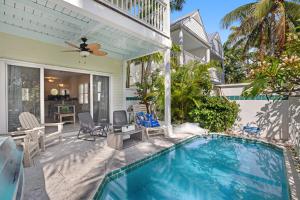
(294, 192)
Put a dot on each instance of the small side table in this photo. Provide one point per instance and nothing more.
(116, 140)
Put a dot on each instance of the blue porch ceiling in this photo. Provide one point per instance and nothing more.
(50, 21)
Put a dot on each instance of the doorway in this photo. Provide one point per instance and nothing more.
(69, 93)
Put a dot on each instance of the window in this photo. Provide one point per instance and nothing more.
(25, 94)
(99, 91)
(84, 93)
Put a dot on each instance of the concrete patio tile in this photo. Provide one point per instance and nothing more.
(74, 168)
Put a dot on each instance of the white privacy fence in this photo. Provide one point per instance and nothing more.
(294, 130)
(151, 12)
(279, 118)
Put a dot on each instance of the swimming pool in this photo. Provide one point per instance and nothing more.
(215, 167)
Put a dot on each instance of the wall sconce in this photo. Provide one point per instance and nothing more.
(60, 85)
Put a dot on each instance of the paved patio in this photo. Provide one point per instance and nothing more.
(74, 168)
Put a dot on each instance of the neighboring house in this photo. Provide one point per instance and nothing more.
(190, 34)
(36, 76)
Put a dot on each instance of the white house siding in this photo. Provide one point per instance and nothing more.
(194, 26)
(22, 49)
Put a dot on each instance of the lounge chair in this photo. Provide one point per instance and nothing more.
(147, 121)
(251, 129)
(119, 120)
(87, 126)
(28, 121)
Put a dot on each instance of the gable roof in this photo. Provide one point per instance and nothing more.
(195, 14)
(185, 21)
(214, 36)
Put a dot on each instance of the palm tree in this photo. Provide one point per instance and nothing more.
(177, 5)
(263, 25)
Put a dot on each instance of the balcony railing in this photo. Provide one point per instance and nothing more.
(215, 75)
(190, 57)
(149, 12)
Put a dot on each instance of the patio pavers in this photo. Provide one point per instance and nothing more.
(74, 168)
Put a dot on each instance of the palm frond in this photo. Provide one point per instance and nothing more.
(263, 7)
(237, 15)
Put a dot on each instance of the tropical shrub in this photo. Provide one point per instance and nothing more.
(188, 82)
(215, 113)
(277, 74)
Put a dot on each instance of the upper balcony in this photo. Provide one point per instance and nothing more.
(126, 29)
(148, 20)
(151, 13)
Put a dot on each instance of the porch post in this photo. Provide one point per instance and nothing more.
(3, 98)
(91, 95)
(168, 93)
(208, 55)
(181, 57)
(42, 95)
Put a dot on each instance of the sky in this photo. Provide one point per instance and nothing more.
(211, 11)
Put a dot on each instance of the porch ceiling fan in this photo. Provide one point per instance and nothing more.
(85, 49)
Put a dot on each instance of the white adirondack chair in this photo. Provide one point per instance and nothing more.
(29, 140)
(150, 131)
(29, 121)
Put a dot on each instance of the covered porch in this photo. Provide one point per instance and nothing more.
(33, 36)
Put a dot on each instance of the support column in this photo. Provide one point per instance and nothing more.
(168, 93)
(3, 98)
(181, 57)
(42, 93)
(91, 99)
(208, 55)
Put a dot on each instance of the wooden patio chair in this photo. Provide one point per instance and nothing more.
(150, 131)
(28, 121)
(30, 141)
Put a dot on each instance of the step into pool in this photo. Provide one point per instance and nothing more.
(214, 167)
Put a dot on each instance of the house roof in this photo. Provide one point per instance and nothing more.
(184, 20)
(212, 36)
(195, 14)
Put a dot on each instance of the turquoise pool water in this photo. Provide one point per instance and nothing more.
(206, 168)
(11, 170)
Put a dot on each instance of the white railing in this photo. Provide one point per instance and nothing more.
(215, 75)
(150, 12)
(190, 57)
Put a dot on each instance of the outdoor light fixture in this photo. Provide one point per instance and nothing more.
(84, 54)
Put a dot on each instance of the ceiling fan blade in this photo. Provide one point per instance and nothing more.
(99, 53)
(71, 51)
(93, 46)
(72, 45)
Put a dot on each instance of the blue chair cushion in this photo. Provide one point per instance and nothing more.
(146, 120)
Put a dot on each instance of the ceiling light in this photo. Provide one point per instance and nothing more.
(84, 53)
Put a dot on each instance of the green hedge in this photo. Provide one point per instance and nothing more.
(215, 113)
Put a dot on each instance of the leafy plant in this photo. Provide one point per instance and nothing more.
(280, 75)
(146, 89)
(236, 65)
(215, 113)
(188, 83)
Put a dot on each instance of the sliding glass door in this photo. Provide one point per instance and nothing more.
(23, 93)
(101, 99)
